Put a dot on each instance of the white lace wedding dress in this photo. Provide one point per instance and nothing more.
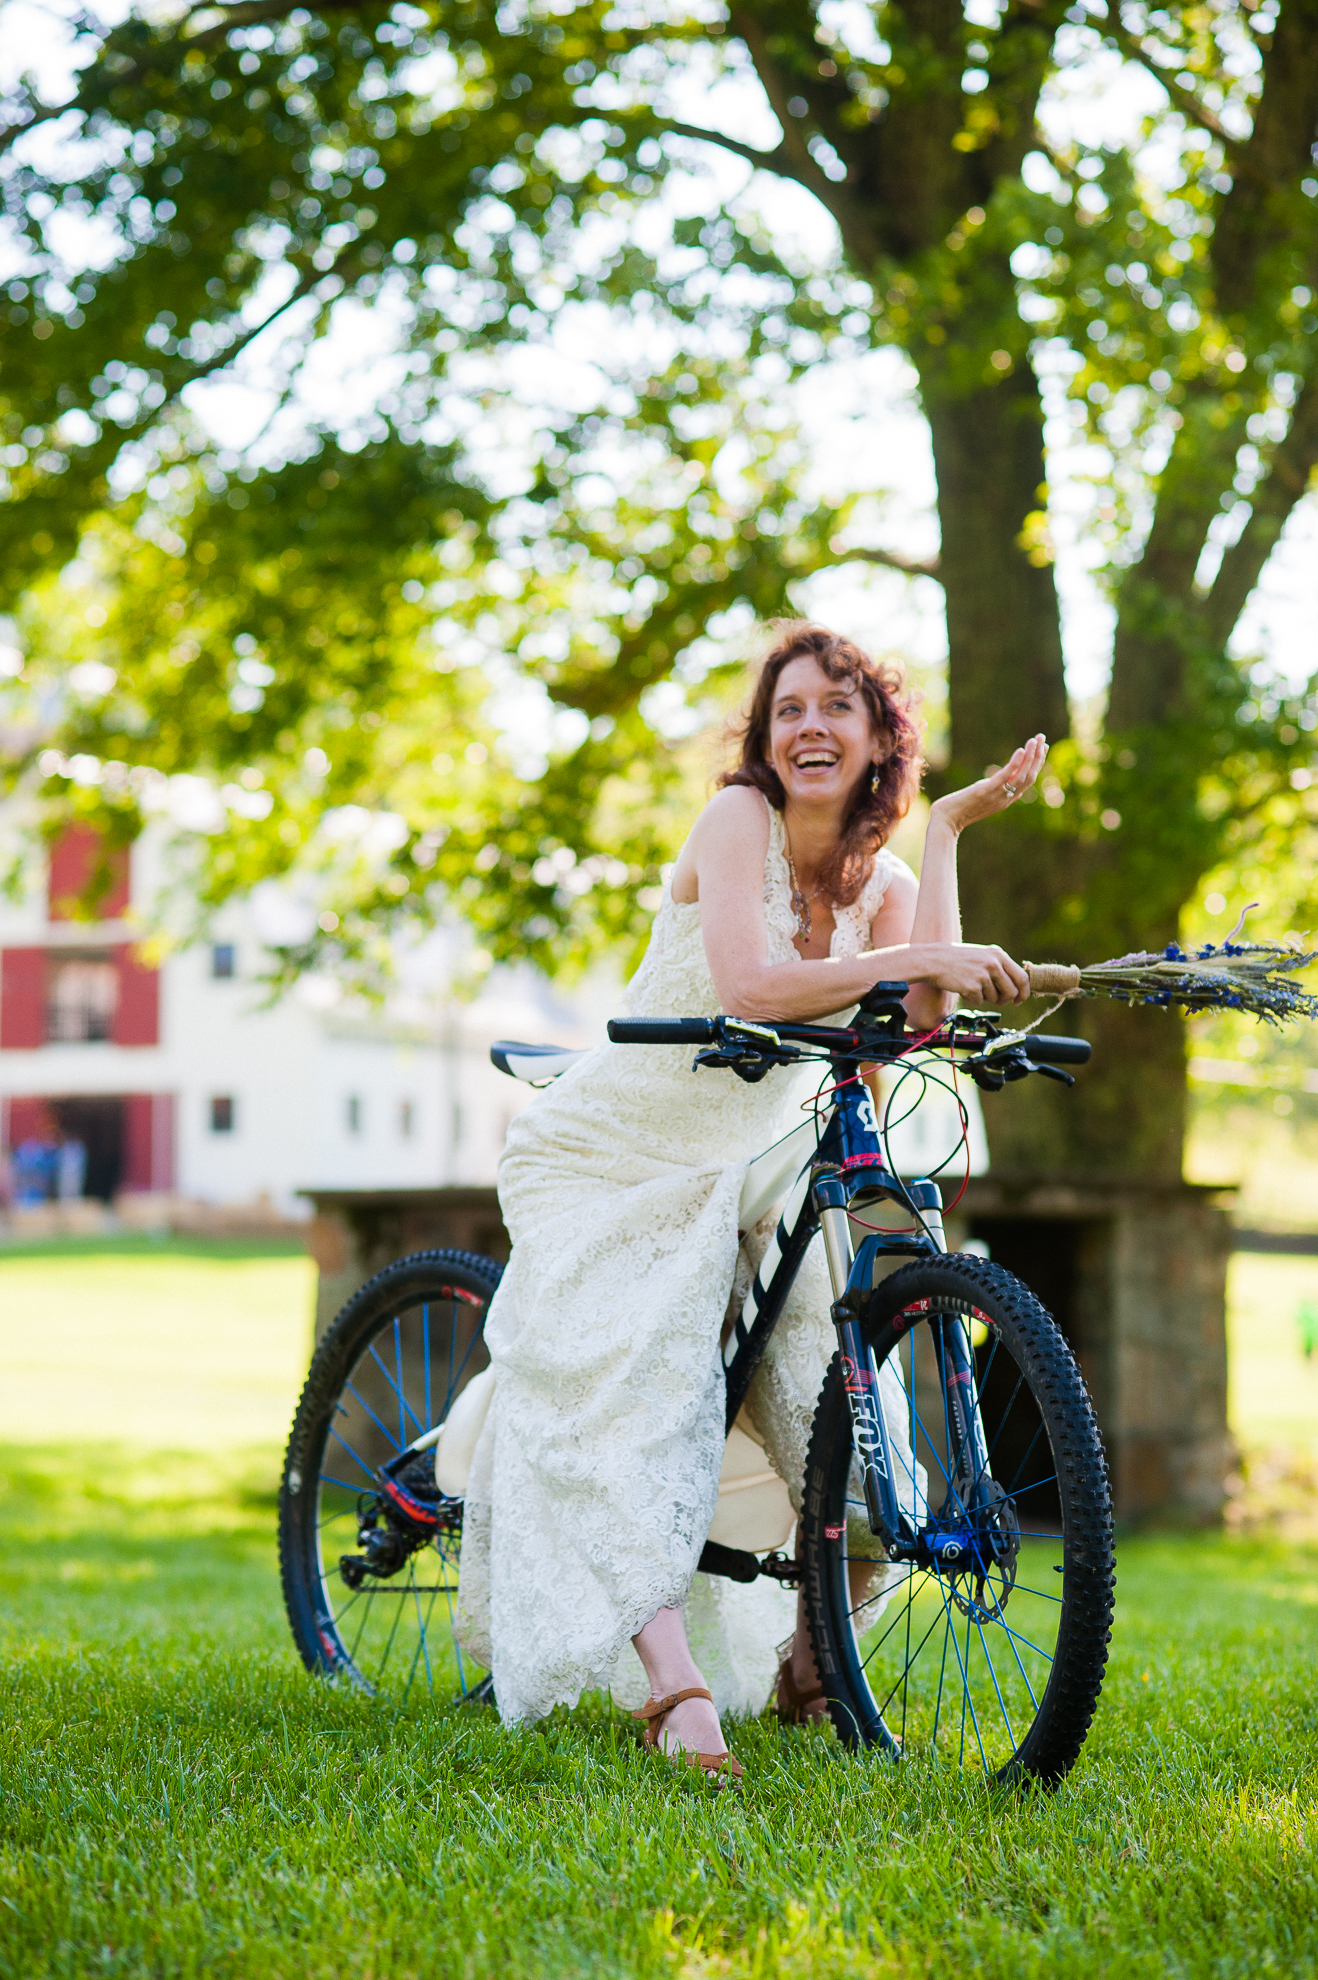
(595, 1478)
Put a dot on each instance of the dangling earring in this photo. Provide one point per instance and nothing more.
(876, 778)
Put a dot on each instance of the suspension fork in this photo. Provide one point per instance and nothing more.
(968, 1451)
(860, 1373)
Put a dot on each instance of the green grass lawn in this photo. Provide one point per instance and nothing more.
(177, 1797)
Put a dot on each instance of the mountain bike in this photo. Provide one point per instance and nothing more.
(956, 1544)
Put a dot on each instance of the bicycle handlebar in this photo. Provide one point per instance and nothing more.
(1043, 1050)
(662, 1031)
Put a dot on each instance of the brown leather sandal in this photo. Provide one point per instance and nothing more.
(714, 1766)
(791, 1703)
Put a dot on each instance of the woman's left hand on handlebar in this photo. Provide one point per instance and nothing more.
(996, 792)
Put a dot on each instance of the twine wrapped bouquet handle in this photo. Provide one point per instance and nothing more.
(1054, 979)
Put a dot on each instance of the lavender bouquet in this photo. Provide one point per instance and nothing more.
(1255, 977)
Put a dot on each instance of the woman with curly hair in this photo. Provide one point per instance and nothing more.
(597, 1472)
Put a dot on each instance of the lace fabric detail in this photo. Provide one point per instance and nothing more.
(596, 1475)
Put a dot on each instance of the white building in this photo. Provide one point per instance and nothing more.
(180, 1081)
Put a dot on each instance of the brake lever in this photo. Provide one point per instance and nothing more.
(1053, 1072)
(991, 1074)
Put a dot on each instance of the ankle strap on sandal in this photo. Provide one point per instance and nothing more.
(658, 1706)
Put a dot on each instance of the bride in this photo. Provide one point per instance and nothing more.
(596, 1474)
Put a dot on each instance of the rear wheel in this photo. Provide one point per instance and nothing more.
(986, 1645)
(369, 1553)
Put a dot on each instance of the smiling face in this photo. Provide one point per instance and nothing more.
(821, 739)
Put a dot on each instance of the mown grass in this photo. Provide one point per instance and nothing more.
(179, 1798)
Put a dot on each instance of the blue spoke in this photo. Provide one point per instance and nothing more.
(969, 1700)
(1021, 1668)
(1011, 1403)
(363, 1404)
(1025, 1460)
(932, 1447)
(384, 1659)
(938, 1702)
(905, 1671)
(328, 1478)
(461, 1365)
(353, 1455)
(1036, 1485)
(979, 1631)
(398, 1369)
(362, 1621)
(423, 1625)
(1018, 1638)
(354, 1597)
(452, 1345)
(875, 1649)
(403, 1403)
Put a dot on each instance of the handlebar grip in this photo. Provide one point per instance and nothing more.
(1052, 1051)
(662, 1031)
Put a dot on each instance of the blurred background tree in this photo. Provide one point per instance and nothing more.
(467, 199)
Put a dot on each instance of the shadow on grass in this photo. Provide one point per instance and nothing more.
(181, 1798)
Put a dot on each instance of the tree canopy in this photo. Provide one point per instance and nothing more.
(298, 617)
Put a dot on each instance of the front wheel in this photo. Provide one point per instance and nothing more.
(985, 1644)
(369, 1548)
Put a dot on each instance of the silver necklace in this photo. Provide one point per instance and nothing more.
(800, 902)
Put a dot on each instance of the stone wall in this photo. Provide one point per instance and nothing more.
(356, 1232)
(1135, 1276)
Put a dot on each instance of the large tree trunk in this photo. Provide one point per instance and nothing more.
(1005, 678)
(1031, 892)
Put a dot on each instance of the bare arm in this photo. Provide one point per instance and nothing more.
(723, 866)
(937, 915)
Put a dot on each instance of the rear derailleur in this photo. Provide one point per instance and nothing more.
(406, 1514)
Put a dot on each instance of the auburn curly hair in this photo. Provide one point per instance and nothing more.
(873, 812)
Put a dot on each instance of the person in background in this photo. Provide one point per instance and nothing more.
(71, 1169)
(36, 1163)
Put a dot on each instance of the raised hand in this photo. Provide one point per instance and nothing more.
(996, 792)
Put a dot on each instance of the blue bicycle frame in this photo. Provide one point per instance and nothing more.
(846, 1169)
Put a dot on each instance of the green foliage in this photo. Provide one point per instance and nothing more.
(315, 620)
(181, 1797)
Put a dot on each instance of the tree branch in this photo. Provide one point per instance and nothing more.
(241, 13)
(891, 560)
(245, 13)
(9, 133)
(801, 166)
(1184, 99)
(1292, 465)
(776, 160)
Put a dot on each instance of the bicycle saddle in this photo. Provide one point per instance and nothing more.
(533, 1063)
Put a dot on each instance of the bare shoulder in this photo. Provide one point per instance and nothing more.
(730, 836)
(901, 878)
(896, 911)
(735, 816)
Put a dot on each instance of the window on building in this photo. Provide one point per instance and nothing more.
(222, 1114)
(224, 959)
(406, 1118)
(82, 993)
(353, 1113)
